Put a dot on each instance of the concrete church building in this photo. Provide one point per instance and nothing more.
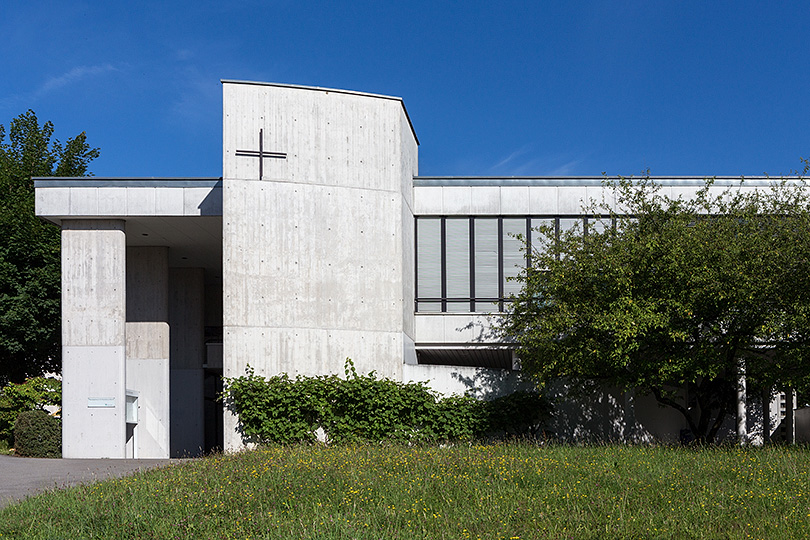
(319, 243)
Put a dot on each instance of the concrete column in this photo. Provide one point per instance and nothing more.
(630, 425)
(187, 321)
(148, 348)
(93, 338)
(742, 411)
(766, 417)
(790, 416)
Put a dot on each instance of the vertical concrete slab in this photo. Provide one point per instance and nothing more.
(147, 349)
(315, 243)
(409, 168)
(93, 338)
(187, 342)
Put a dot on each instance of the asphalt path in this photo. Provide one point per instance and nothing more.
(23, 477)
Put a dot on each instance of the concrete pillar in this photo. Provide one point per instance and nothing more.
(93, 338)
(790, 416)
(766, 417)
(148, 348)
(187, 321)
(742, 411)
(629, 425)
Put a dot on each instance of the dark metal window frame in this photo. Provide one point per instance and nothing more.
(501, 300)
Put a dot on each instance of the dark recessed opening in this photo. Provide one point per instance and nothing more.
(471, 357)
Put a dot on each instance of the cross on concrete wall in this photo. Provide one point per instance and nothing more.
(261, 154)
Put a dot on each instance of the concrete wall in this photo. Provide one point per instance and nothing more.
(187, 319)
(93, 338)
(314, 253)
(409, 167)
(147, 350)
(455, 328)
(537, 196)
(93, 197)
(608, 415)
(460, 380)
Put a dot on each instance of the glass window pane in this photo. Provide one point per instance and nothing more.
(430, 307)
(514, 257)
(458, 258)
(567, 224)
(457, 233)
(429, 258)
(540, 241)
(598, 225)
(486, 306)
(486, 261)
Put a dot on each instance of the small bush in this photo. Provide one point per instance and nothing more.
(35, 393)
(37, 434)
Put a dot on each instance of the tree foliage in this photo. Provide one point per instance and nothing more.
(34, 394)
(672, 296)
(29, 247)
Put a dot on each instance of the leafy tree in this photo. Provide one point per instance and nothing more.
(29, 247)
(673, 297)
(34, 394)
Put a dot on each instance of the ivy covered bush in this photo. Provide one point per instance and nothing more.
(38, 434)
(368, 408)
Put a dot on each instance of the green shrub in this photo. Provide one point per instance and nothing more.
(517, 414)
(367, 408)
(372, 409)
(38, 434)
(276, 409)
(34, 394)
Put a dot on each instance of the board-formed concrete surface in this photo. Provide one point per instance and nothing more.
(24, 477)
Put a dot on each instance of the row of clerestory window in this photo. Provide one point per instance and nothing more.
(467, 264)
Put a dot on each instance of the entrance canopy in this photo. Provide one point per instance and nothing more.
(183, 214)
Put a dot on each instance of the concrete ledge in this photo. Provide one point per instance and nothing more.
(451, 328)
(67, 198)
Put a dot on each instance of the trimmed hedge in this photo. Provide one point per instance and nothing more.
(285, 410)
(38, 434)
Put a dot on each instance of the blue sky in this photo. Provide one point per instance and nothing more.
(508, 88)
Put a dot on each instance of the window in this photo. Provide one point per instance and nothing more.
(468, 264)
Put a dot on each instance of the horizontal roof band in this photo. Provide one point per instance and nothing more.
(552, 181)
(93, 181)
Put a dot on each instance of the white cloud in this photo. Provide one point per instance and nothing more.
(566, 169)
(74, 75)
(524, 162)
(511, 157)
(53, 84)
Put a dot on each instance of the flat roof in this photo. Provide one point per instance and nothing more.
(95, 181)
(721, 181)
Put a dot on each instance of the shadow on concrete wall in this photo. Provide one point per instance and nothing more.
(483, 383)
(592, 413)
(211, 205)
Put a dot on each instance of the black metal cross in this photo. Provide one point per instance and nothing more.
(261, 154)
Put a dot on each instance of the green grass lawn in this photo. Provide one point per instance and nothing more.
(381, 492)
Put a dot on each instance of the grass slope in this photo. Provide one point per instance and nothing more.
(382, 492)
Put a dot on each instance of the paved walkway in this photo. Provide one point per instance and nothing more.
(21, 477)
